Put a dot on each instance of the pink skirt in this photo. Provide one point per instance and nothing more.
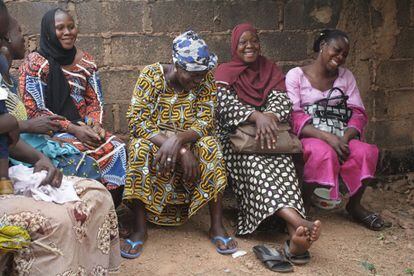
(322, 165)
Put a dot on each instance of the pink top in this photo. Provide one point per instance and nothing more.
(301, 93)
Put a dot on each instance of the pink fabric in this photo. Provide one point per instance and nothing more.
(322, 165)
(298, 120)
(358, 119)
(301, 93)
(321, 161)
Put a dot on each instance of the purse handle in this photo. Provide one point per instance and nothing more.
(342, 97)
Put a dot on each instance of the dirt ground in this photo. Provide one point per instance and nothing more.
(344, 248)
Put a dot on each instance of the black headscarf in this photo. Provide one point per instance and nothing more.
(57, 94)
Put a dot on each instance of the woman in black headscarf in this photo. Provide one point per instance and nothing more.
(60, 79)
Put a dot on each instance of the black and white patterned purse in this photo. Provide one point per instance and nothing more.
(332, 113)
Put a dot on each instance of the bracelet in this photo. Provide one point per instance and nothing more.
(183, 150)
(6, 186)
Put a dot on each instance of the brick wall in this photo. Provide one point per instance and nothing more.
(125, 35)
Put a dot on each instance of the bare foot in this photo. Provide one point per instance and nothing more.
(134, 237)
(221, 231)
(300, 241)
(315, 231)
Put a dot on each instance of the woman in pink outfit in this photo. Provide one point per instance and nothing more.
(328, 156)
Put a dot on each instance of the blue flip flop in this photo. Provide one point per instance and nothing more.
(225, 241)
(133, 246)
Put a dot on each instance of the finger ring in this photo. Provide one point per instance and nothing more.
(50, 132)
(169, 159)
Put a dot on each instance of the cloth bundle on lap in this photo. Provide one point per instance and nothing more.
(27, 183)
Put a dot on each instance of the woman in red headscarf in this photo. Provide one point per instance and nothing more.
(251, 89)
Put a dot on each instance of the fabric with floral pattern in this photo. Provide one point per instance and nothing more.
(67, 239)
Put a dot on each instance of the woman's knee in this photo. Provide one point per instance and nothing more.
(139, 148)
(361, 150)
(316, 148)
(209, 146)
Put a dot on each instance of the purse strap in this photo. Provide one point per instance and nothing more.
(342, 97)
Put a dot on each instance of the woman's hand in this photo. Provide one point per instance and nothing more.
(166, 156)
(190, 166)
(266, 129)
(95, 127)
(86, 135)
(100, 131)
(340, 146)
(47, 124)
(53, 177)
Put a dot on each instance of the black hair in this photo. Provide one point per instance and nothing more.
(326, 36)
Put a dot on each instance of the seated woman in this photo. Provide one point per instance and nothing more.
(78, 237)
(251, 89)
(328, 156)
(60, 79)
(170, 177)
(63, 155)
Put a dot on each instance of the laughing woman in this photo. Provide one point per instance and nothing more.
(330, 154)
(251, 89)
(60, 79)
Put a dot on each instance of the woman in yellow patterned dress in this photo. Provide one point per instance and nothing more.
(175, 167)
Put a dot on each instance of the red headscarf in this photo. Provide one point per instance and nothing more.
(252, 82)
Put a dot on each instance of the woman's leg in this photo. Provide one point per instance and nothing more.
(307, 191)
(361, 164)
(302, 232)
(321, 166)
(117, 195)
(216, 218)
(139, 224)
(137, 189)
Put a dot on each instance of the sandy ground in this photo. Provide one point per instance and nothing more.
(344, 248)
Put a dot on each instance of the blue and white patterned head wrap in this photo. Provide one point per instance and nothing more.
(191, 53)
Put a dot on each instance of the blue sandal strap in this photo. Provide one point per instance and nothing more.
(133, 244)
(222, 239)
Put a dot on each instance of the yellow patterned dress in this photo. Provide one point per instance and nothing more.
(168, 200)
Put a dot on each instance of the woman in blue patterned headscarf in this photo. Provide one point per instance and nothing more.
(175, 165)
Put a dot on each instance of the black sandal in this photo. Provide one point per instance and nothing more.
(272, 259)
(300, 259)
(373, 222)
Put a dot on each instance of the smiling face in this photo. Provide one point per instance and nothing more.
(66, 31)
(334, 53)
(189, 80)
(248, 48)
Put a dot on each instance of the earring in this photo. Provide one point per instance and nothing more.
(320, 51)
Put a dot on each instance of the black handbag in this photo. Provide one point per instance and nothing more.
(332, 113)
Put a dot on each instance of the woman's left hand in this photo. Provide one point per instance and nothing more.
(53, 177)
(166, 156)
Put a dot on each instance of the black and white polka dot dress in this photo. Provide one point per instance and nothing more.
(263, 183)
